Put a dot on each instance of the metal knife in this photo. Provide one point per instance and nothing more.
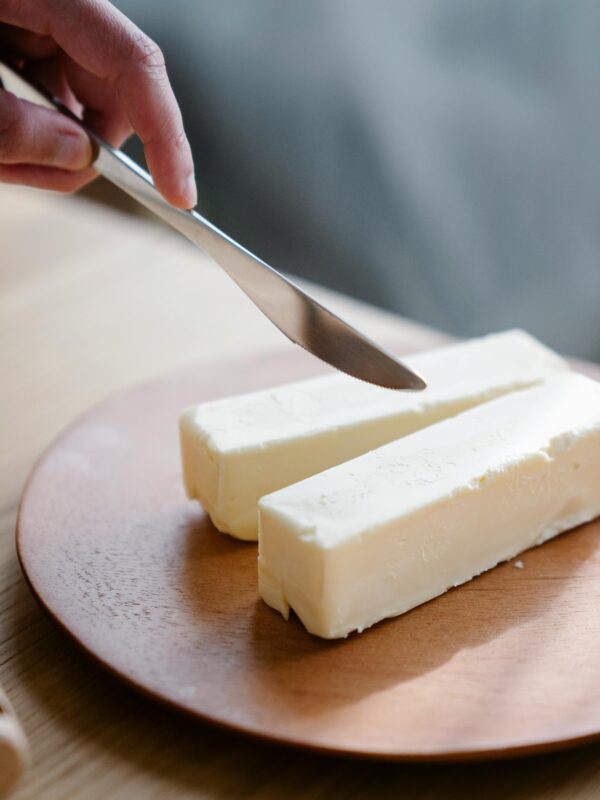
(299, 316)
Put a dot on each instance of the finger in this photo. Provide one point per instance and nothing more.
(101, 110)
(30, 134)
(57, 180)
(107, 44)
(26, 44)
(49, 73)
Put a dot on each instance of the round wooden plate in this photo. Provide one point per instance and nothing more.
(506, 664)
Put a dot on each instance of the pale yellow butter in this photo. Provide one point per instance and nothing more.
(378, 535)
(238, 449)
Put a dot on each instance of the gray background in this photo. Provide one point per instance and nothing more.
(437, 158)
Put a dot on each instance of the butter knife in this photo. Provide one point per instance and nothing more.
(299, 316)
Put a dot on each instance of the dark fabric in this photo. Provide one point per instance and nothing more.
(437, 158)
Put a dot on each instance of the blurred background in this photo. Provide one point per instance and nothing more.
(437, 159)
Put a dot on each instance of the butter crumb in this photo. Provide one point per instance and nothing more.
(519, 564)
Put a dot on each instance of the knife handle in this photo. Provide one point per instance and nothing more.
(14, 751)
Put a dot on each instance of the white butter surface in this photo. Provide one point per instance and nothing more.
(380, 534)
(238, 449)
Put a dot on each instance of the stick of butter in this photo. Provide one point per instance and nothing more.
(380, 534)
(238, 449)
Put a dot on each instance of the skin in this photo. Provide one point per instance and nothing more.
(107, 72)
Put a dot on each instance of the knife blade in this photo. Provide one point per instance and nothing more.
(304, 320)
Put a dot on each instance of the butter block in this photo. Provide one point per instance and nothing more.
(385, 532)
(238, 449)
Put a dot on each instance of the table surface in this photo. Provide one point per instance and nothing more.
(91, 302)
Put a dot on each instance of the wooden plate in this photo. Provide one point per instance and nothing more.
(508, 663)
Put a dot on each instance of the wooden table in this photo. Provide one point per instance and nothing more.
(90, 302)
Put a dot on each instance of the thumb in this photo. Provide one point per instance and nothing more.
(31, 134)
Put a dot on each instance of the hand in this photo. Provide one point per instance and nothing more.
(107, 72)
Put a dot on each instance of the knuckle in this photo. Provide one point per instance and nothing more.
(144, 53)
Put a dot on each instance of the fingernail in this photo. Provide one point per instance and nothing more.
(73, 151)
(189, 191)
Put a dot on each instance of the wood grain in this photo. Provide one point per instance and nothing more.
(136, 574)
(90, 304)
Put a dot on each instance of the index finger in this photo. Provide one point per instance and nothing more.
(103, 41)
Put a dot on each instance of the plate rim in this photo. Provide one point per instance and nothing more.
(445, 755)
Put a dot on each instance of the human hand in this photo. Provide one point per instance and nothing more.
(106, 71)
